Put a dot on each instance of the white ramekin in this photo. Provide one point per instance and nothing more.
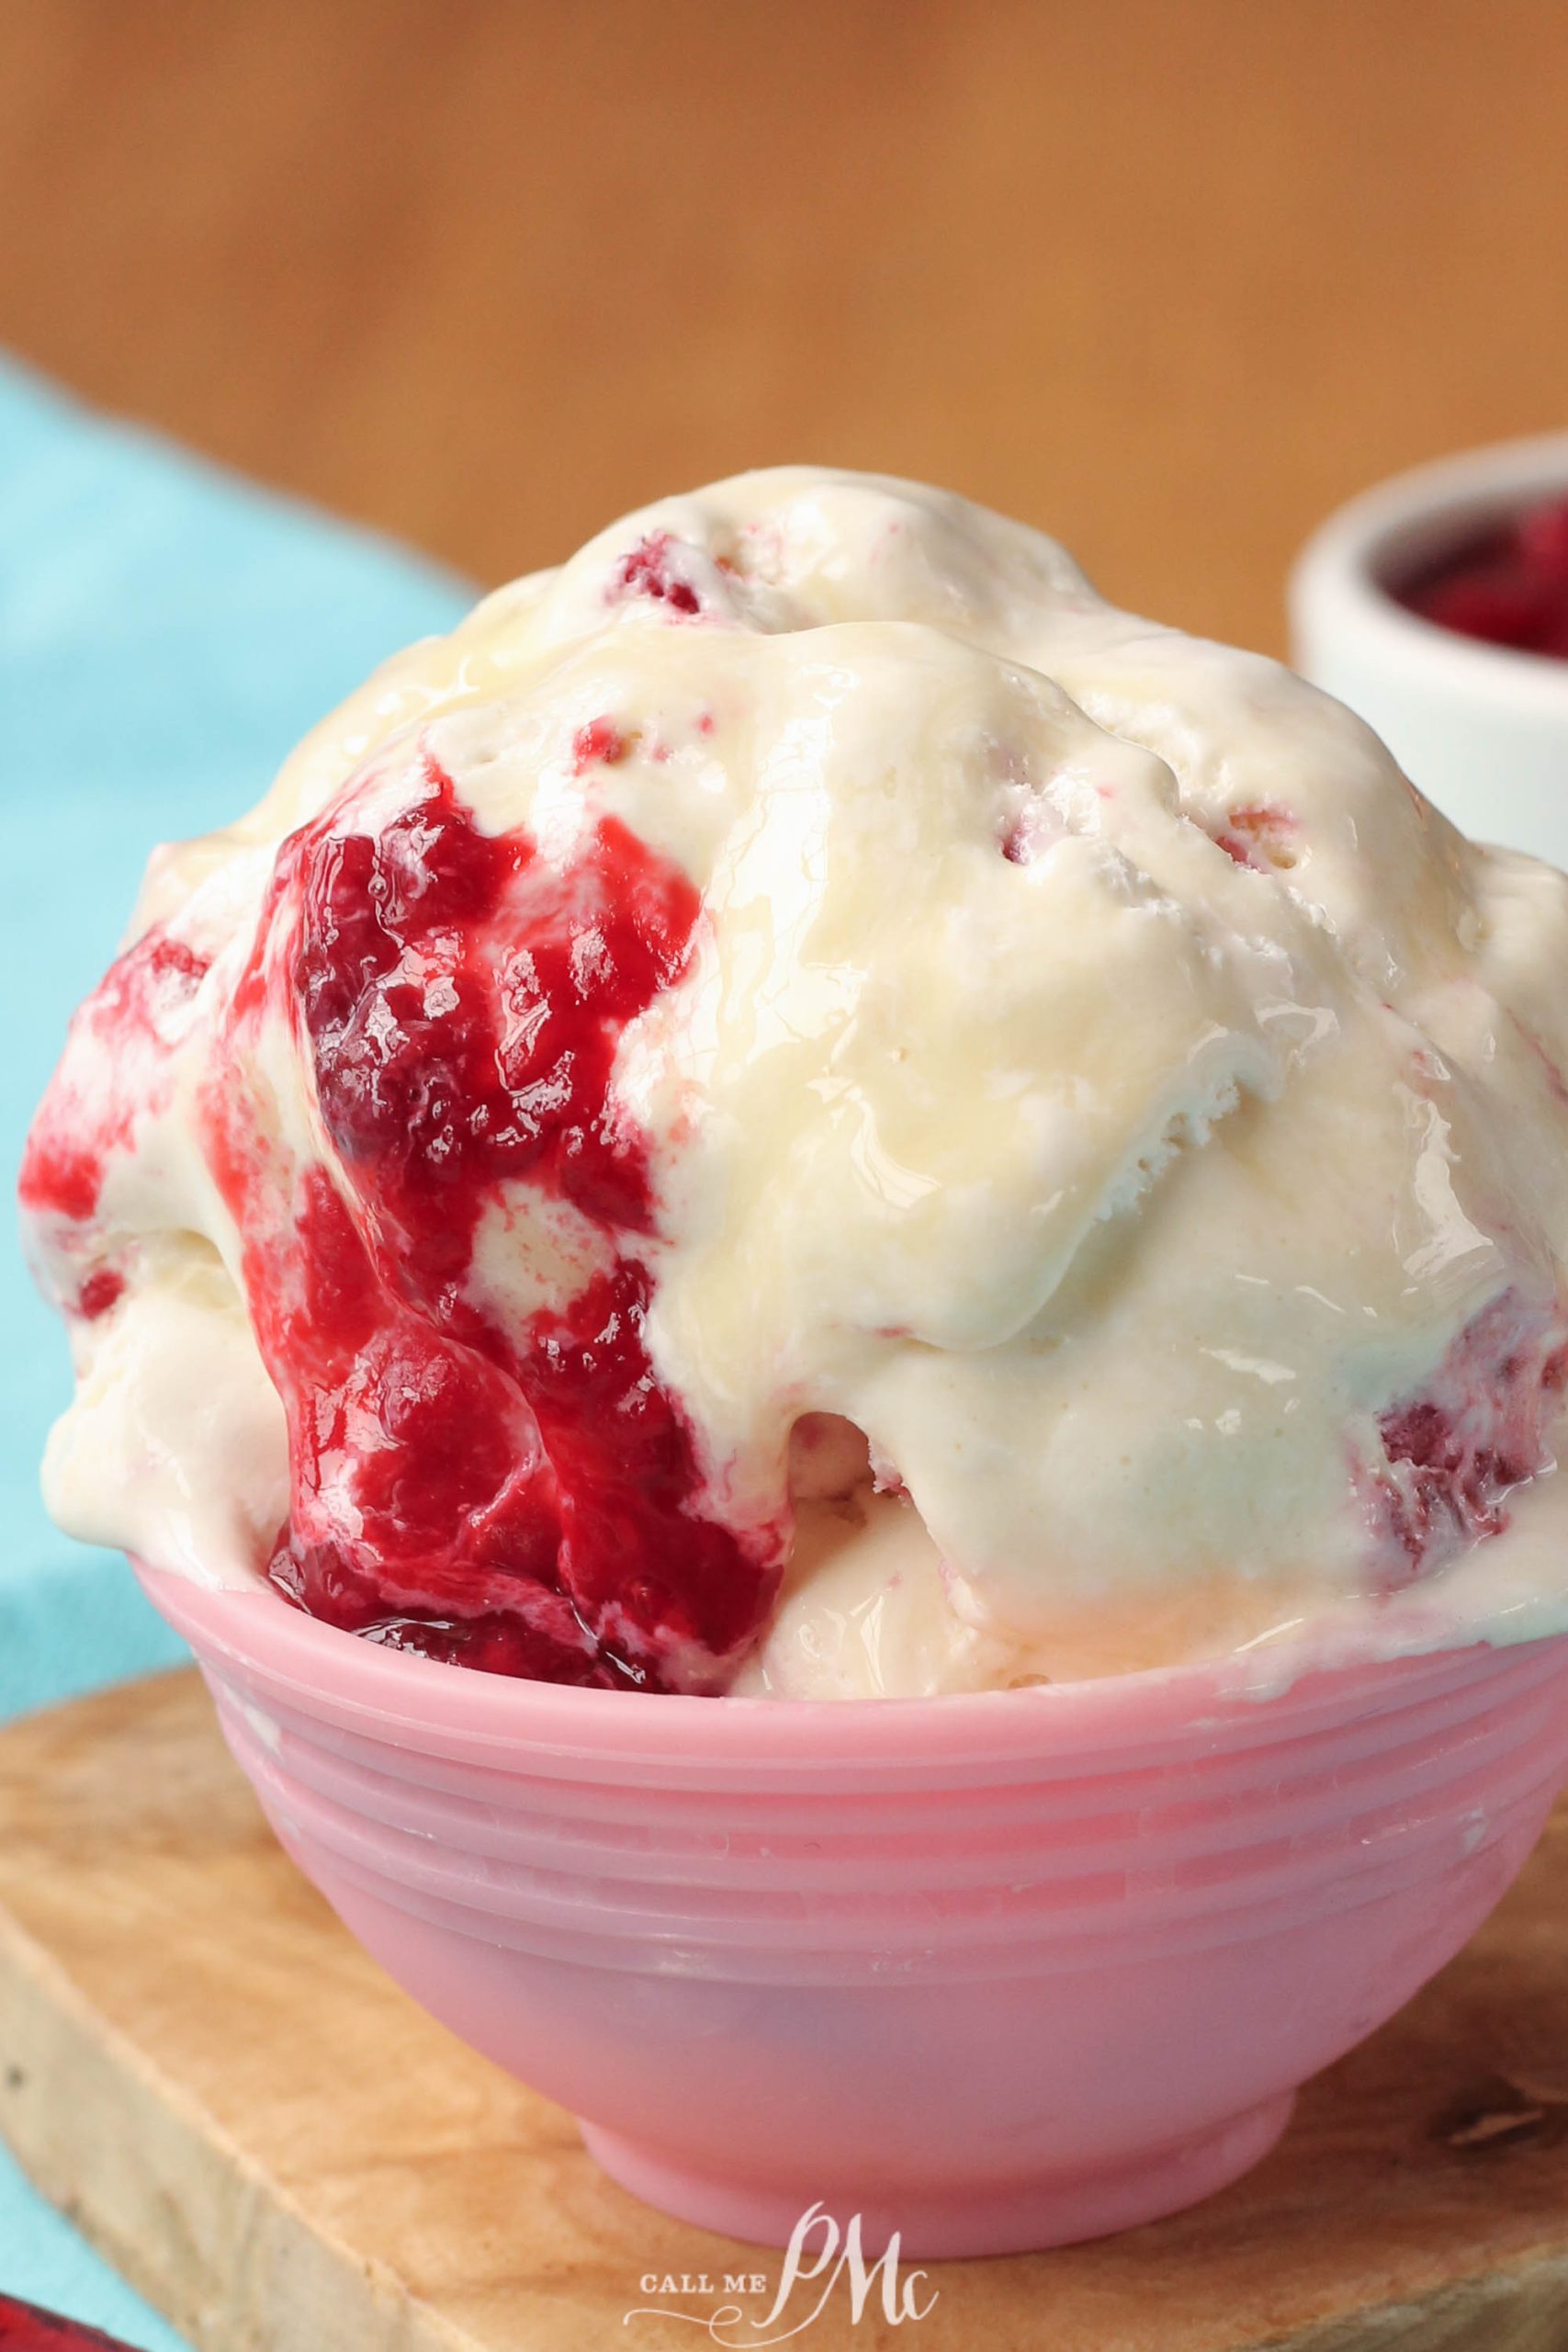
(1483, 731)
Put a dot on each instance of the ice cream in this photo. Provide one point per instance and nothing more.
(804, 1107)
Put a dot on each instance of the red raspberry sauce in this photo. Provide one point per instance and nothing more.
(646, 571)
(114, 1072)
(598, 744)
(1453, 1456)
(1510, 588)
(109, 1074)
(102, 1290)
(529, 1502)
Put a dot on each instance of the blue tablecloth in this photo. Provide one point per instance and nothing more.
(166, 632)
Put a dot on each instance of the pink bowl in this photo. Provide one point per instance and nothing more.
(993, 1973)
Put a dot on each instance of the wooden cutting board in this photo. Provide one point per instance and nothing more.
(199, 2065)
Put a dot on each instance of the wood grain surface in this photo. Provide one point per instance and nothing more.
(1170, 276)
(259, 2129)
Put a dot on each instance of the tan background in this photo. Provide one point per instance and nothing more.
(1170, 276)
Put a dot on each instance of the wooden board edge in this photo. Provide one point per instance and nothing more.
(162, 2192)
(1523, 2308)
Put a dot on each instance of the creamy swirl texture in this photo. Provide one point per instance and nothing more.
(802, 1105)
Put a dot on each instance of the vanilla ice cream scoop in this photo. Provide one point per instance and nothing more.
(803, 1106)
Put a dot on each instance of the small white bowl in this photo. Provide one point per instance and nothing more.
(1482, 730)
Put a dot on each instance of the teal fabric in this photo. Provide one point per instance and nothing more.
(166, 632)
